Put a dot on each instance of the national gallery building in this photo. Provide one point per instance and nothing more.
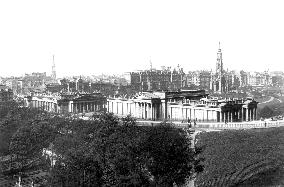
(68, 103)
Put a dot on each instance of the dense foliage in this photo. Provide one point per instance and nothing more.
(103, 151)
(112, 152)
(14, 117)
(242, 157)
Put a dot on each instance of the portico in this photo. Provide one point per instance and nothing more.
(82, 103)
(238, 111)
(145, 106)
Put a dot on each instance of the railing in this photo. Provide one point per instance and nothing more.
(241, 125)
(220, 125)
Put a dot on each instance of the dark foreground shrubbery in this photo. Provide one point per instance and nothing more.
(110, 152)
(104, 151)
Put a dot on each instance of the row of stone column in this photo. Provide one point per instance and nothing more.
(84, 107)
(245, 114)
(44, 105)
(119, 108)
(180, 113)
(143, 110)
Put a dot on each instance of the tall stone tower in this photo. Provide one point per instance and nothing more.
(219, 72)
(53, 75)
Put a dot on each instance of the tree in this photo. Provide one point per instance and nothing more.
(169, 156)
(28, 142)
(12, 118)
(6, 107)
(124, 155)
(77, 161)
(113, 152)
(76, 165)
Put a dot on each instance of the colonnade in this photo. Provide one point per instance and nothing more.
(145, 110)
(139, 109)
(243, 114)
(193, 113)
(44, 105)
(73, 107)
(159, 111)
(86, 106)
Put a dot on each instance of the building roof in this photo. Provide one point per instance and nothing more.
(82, 97)
(145, 95)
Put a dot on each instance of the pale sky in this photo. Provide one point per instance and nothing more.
(107, 36)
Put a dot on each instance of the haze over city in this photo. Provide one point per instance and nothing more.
(93, 37)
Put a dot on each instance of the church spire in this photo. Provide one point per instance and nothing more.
(219, 71)
(219, 50)
(53, 69)
(151, 65)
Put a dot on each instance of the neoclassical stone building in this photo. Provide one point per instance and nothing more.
(42, 102)
(144, 105)
(67, 103)
(82, 103)
(183, 106)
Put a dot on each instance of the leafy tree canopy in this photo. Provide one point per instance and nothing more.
(103, 151)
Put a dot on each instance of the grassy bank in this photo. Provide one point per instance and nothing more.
(242, 157)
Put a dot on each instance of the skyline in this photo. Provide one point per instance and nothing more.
(93, 37)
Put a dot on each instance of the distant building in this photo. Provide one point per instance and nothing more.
(11, 83)
(53, 87)
(151, 80)
(79, 85)
(259, 79)
(232, 81)
(205, 79)
(243, 78)
(35, 80)
(277, 78)
(20, 86)
(193, 78)
(36, 74)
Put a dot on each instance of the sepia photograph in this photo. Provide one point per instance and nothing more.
(128, 93)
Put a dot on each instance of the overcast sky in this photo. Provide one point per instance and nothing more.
(94, 37)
